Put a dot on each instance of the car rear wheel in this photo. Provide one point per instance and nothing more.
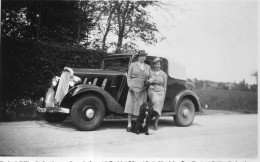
(88, 112)
(185, 113)
(54, 118)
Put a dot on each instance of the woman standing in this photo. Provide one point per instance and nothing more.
(138, 74)
(157, 89)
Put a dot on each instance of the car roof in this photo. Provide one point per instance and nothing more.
(120, 54)
(175, 69)
(130, 54)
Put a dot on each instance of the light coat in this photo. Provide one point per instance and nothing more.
(135, 80)
(157, 90)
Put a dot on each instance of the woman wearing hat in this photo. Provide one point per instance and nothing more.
(157, 89)
(138, 74)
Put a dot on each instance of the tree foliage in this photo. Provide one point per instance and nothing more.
(96, 24)
(123, 23)
(29, 66)
(240, 86)
(58, 21)
(255, 75)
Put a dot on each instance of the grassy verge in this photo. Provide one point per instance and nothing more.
(241, 101)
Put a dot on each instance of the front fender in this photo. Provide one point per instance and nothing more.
(190, 95)
(84, 89)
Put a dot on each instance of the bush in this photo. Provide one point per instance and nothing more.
(242, 101)
(19, 109)
(28, 67)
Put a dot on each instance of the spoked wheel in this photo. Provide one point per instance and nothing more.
(87, 112)
(185, 113)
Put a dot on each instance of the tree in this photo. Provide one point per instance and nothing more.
(242, 86)
(59, 21)
(94, 23)
(128, 21)
(255, 74)
(133, 22)
(16, 20)
(111, 12)
(106, 12)
(66, 21)
(222, 86)
(254, 87)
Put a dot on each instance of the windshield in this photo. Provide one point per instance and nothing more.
(119, 64)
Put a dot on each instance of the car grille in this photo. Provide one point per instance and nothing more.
(63, 86)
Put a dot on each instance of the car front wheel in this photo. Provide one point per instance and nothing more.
(185, 113)
(87, 112)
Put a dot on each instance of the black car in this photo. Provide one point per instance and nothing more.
(88, 95)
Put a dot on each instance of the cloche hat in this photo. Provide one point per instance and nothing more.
(141, 53)
(157, 59)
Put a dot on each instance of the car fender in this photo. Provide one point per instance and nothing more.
(83, 89)
(190, 95)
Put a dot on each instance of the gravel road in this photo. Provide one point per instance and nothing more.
(214, 135)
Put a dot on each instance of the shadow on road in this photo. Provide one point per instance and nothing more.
(67, 125)
(122, 123)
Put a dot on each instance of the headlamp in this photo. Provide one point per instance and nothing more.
(55, 81)
(74, 80)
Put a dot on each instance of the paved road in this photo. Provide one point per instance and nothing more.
(214, 135)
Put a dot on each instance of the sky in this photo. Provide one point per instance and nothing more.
(216, 40)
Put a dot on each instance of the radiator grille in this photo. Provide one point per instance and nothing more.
(63, 86)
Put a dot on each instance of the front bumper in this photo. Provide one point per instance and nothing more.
(53, 110)
(48, 104)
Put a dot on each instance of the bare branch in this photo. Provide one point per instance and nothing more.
(99, 16)
(99, 27)
(130, 10)
(137, 8)
(160, 4)
(118, 6)
(107, 27)
(124, 14)
(130, 27)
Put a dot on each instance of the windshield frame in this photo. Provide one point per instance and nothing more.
(115, 57)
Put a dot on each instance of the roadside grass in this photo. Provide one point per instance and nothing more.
(241, 101)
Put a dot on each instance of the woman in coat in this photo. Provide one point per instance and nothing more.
(157, 89)
(138, 74)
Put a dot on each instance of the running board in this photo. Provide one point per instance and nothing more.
(168, 113)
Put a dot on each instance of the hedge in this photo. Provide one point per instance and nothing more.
(28, 67)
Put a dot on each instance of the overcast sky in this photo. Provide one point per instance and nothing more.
(216, 40)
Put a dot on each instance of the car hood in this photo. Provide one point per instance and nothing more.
(80, 72)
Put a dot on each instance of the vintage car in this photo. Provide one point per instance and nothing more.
(88, 95)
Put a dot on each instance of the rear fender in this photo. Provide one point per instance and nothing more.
(190, 95)
(84, 89)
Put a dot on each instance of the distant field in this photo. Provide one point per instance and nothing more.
(229, 100)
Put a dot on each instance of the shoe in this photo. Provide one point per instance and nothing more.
(155, 128)
(128, 129)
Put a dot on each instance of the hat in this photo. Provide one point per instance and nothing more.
(141, 53)
(157, 59)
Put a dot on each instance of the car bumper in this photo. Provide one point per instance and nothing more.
(53, 110)
(48, 104)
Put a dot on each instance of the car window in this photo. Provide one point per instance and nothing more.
(120, 64)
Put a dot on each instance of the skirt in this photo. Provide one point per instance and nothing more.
(134, 102)
(157, 98)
